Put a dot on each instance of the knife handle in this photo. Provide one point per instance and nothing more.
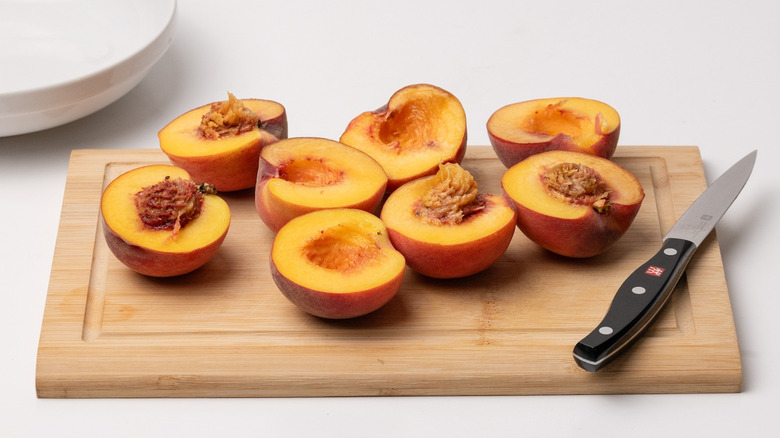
(636, 303)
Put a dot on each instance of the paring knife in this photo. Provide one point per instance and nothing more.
(646, 290)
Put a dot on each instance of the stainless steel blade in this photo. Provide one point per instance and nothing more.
(700, 218)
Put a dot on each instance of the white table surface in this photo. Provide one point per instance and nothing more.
(679, 72)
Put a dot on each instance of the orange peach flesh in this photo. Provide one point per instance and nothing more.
(336, 263)
(230, 162)
(582, 125)
(420, 127)
(159, 252)
(572, 229)
(447, 249)
(301, 175)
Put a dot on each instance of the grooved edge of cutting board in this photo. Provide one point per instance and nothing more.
(226, 331)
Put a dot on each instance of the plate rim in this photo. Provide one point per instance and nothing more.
(48, 105)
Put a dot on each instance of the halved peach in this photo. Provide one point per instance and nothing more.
(301, 175)
(444, 227)
(221, 142)
(575, 124)
(159, 223)
(336, 263)
(420, 126)
(573, 204)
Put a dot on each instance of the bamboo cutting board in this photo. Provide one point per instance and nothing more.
(226, 331)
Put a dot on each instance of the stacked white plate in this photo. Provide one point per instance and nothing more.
(61, 60)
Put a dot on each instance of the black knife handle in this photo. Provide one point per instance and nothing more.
(636, 303)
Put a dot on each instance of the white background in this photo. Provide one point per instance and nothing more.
(679, 72)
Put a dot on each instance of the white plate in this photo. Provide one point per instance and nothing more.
(61, 60)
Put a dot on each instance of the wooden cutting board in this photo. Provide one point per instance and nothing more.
(226, 331)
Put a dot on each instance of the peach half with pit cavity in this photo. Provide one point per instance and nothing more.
(159, 223)
(336, 263)
(221, 142)
(573, 204)
(444, 227)
(576, 124)
(420, 127)
(301, 175)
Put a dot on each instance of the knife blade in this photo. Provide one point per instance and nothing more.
(642, 295)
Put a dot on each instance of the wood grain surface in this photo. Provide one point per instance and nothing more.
(226, 331)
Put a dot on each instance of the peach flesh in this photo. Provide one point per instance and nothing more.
(445, 248)
(519, 130)
(421, 126)
(336, 263)
(154, 252)
(301, 175)
(579, 229)
(230, 162)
